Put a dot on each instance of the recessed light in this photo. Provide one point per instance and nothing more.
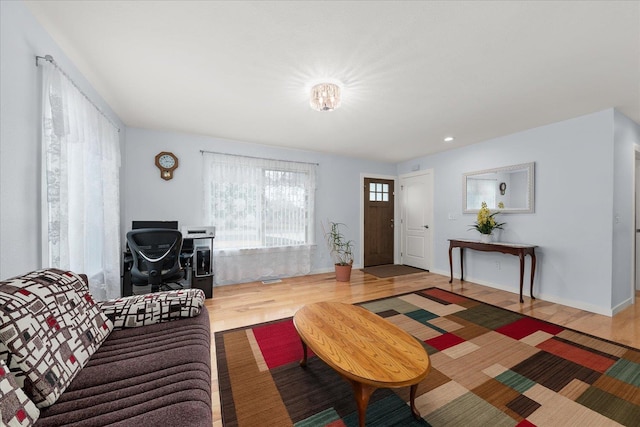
(449, 139)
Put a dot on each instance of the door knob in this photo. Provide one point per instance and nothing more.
(426, 226)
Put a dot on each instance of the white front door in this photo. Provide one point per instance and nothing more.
(416, 196)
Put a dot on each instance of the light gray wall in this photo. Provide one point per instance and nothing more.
(21, 39)
(573, 219)
(148, 197)
(626, 138)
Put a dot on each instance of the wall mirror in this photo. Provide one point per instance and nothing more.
(509, 189)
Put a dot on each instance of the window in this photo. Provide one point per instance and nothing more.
(258, 203)
(378, 192)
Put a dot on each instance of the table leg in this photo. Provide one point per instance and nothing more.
(461, 264)
(450, 264)
(362, 393)
(303, 362)
(414, 410)
(521, 256)
(533, 272)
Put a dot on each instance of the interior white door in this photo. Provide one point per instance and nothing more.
(417, 219)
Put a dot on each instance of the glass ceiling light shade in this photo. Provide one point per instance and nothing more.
(325, 97)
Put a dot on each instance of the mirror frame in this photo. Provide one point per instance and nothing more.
(528, 167)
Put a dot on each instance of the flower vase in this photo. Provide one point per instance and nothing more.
(485, 238)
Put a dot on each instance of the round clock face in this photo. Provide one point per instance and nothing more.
(166, 161)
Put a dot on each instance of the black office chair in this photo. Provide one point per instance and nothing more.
(156, 258)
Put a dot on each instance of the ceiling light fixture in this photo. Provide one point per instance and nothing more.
(325, 97)
(449, 139)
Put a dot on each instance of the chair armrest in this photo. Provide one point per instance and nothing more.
(149, 309)
(186, 256)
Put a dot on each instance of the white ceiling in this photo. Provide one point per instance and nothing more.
(412, 72)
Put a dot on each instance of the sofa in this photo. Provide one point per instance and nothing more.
(66, 359)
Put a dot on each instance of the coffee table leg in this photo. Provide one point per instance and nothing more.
(303, 362)
(362, 393)
(414, 410)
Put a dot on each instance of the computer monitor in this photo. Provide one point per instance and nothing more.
(171, 225)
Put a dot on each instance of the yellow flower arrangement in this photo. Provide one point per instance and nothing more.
(486, 222)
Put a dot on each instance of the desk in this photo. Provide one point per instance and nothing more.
(195, 257)
(506, 248)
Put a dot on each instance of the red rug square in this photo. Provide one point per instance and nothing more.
(578, 355)
(279, 343)
(444, 341)
(526, 326)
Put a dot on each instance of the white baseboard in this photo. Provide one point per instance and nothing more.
(624, 304)
(331, 269)
(443, 273)
(543, 296)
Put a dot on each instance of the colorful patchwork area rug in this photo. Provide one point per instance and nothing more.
(490, 367)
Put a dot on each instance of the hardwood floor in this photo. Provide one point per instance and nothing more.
(250, 303)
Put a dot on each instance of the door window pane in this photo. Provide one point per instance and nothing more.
(378, 192)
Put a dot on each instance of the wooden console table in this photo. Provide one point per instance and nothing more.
(505, 248)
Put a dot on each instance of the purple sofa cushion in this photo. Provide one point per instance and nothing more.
(151, 375)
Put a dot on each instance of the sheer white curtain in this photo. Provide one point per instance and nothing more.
(81, 207)
(263, 211)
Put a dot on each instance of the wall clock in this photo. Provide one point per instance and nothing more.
(503, 188)
(167, 162)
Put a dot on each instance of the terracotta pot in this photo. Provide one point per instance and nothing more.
(343, 273)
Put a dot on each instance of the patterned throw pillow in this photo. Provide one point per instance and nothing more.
(141, 310)
(10, 361)
(51, 326)
(16, 409)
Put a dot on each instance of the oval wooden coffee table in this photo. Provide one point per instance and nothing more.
(363, 348)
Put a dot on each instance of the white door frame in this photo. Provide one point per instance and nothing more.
(396, 249)
(636, 270)
(432, 227)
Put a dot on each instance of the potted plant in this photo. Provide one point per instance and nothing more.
(486, 223)
(341, 251)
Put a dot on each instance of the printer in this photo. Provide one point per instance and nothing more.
(195, 232)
